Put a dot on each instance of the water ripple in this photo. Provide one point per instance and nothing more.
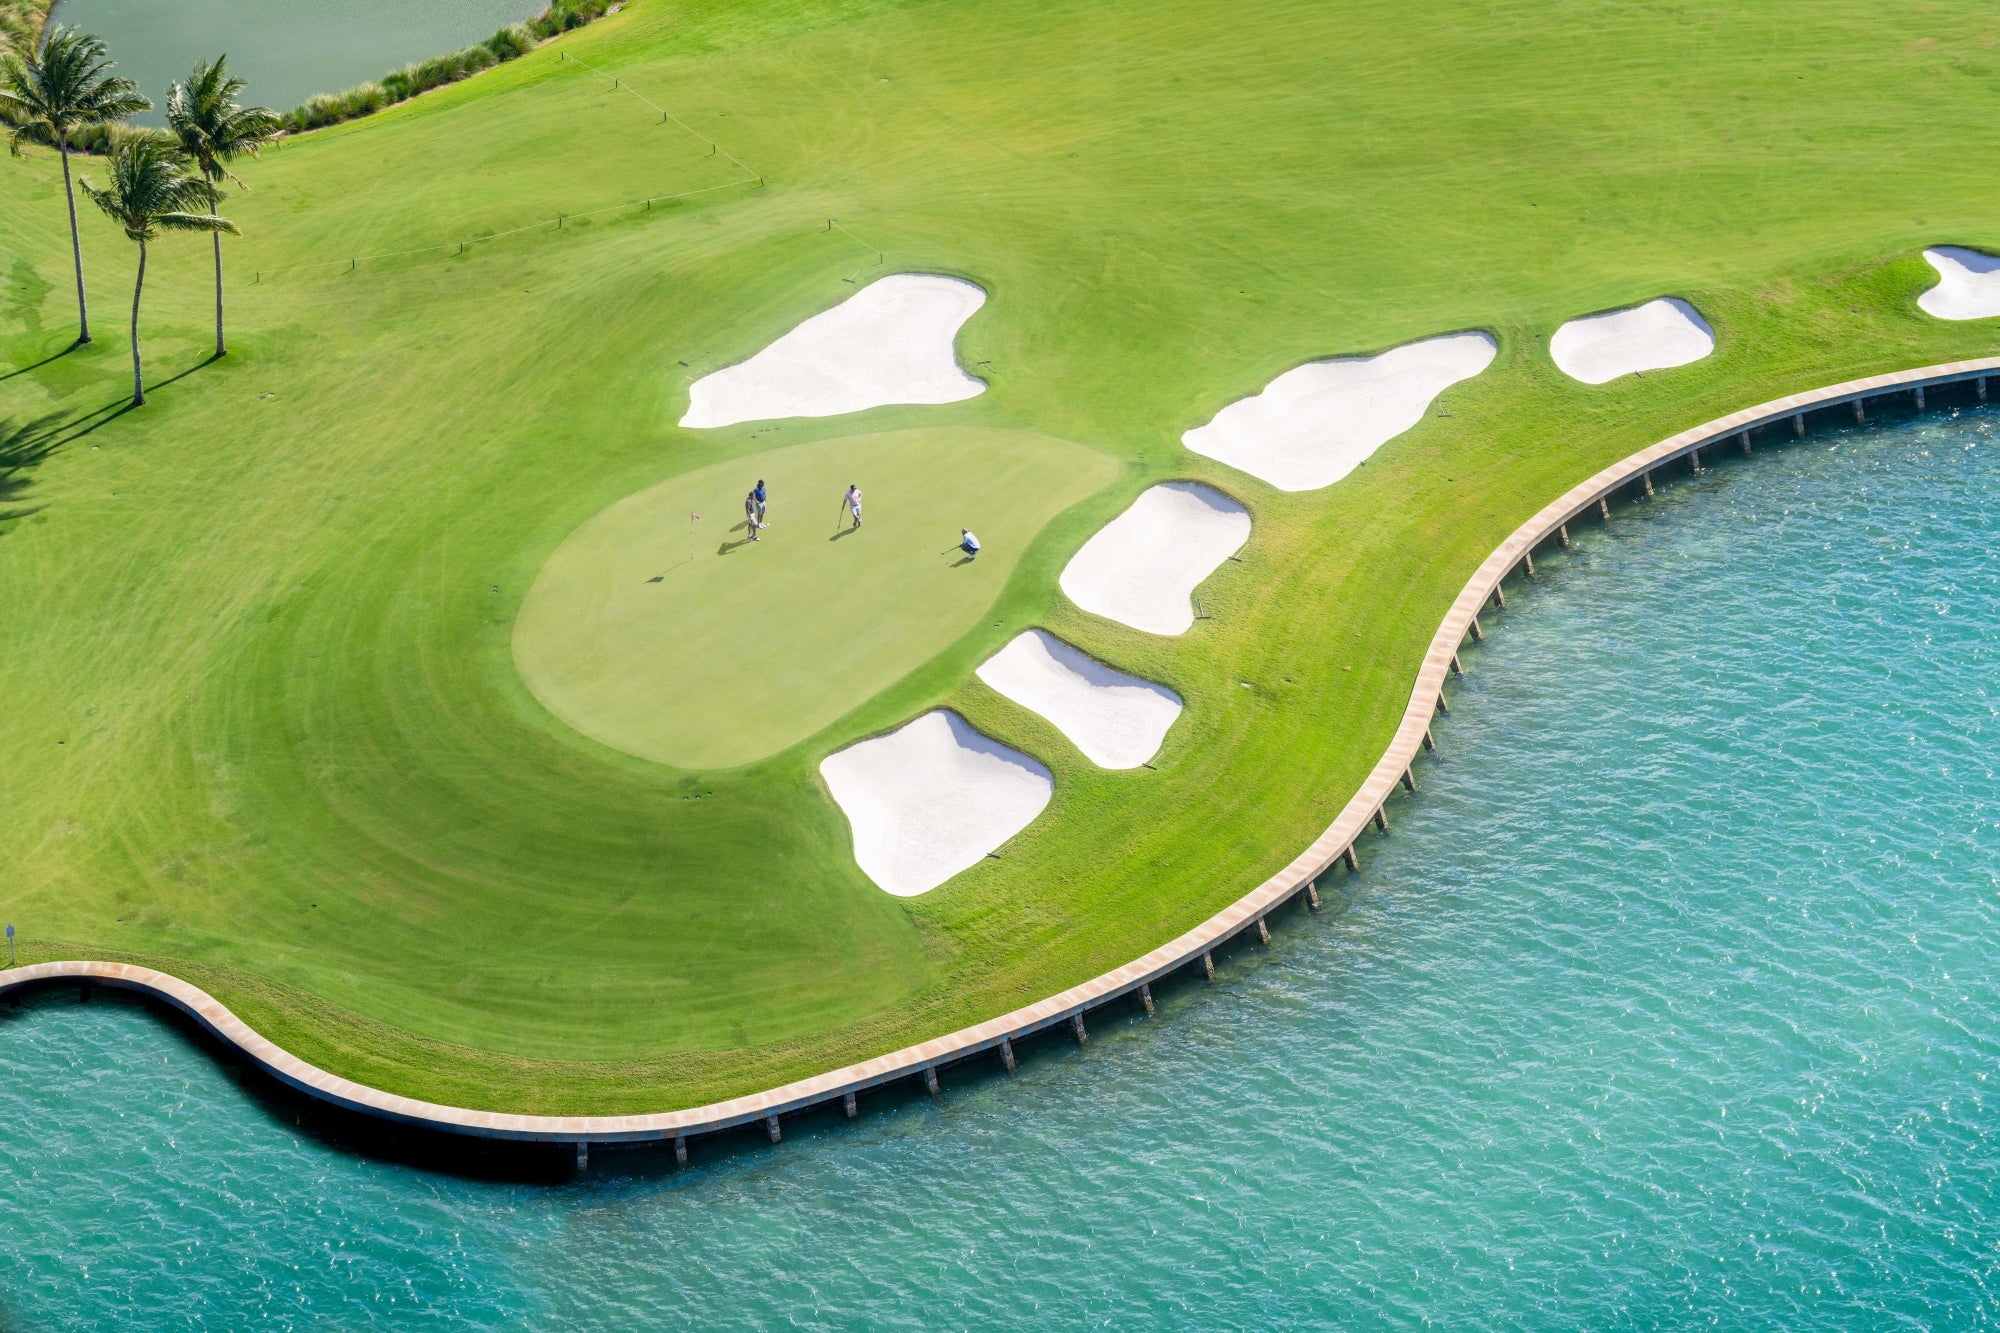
(1668, 1003)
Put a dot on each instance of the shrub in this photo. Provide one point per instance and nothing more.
(516, 39)
(511, 41)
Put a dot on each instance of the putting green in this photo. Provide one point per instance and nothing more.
(265, 727)
(716, 651)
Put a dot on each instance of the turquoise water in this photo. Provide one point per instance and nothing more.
(287, 50)
(1669, 1002)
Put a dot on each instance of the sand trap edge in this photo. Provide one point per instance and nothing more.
(932, 798)
(1115, 719)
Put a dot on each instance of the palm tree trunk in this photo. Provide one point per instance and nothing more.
(138, 285)
(75, 244)
(220, 350)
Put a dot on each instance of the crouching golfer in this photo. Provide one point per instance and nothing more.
(853, 498)
(968, 543)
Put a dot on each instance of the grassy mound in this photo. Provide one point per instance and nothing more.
(264, 726)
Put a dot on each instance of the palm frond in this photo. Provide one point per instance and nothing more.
(195, 222)
(211, 128)
(66, 84)
(149, 191)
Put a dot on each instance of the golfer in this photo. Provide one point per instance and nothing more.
(853, 498)
(968, 543)
(753, 516)
(762, 522)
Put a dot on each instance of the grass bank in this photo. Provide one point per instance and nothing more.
(265, 729)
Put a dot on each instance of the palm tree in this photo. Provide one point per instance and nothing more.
(151, 192)
(47, 96)
(213, 129)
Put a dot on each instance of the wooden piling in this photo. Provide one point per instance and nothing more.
(1647, 478)
(1604, 509)
(1353, 861)
(1076, 1026)
(582, 1158)
(1695, 454)
(1456, 669)
(1499, 597)
(1263, 933)
(1208, 964)
(1146, 997)
(1312, 894)
(681, 1147)
(1381, 820)
(1429, 744)
(1007, 1054)
(930, 1080)
(1477, 637)
(1528, 562)
(1860, 414)
(1799, 424)
(1442, 706)
(849, 1105)
(1744, 439)
(1562, 535)
(1409, 780)
(771, 1127)
(1980, 384)
(1920, 397)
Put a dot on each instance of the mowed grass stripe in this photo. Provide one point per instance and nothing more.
(270, 670)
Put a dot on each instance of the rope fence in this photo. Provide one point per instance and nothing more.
(669, 117)
(750, 177)
(833, 224)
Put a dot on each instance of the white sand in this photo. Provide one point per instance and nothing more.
(1142, 567)
(1118, 721)
(890, 342)
(931, 798)
(1661, 333)
(1968, 284)
(1316, 423)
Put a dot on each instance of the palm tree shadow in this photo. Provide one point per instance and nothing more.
(53, 356)
(23, 448)
(202, 364)
(90, 421)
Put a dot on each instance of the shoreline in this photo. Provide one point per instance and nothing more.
(1196, 946)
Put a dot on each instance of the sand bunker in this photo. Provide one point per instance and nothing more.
(1118, 721)
(1656, 335)
(891, 342)
(1142, 568)
(1968, 284)
(1313, 425)
(931, 798)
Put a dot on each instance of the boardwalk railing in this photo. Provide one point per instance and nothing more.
(1068, 1007)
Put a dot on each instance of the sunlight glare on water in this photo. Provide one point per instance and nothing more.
(1670, 1001)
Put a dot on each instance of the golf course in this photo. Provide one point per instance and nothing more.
(379, 679)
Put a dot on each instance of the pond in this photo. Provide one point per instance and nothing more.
(286, 50)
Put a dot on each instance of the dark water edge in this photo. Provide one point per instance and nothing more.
(286, 50)
(1668, 1002)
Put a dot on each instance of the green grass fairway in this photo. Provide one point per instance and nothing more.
(719, 652)
(264, 723)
